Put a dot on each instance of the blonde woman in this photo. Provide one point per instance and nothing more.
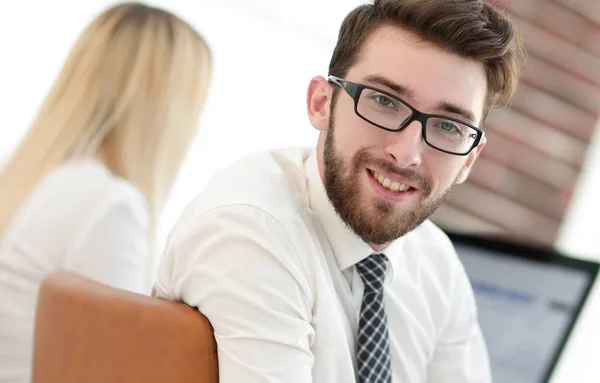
(85, 187)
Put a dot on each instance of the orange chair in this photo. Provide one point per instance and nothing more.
(88, 332)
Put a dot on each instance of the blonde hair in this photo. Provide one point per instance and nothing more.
(130, 93)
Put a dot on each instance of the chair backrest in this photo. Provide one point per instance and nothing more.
(88, 332)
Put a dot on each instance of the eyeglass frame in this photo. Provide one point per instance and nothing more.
(355, 89)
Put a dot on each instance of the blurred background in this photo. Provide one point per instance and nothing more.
(538, 178)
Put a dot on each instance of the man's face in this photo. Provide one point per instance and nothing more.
(384, 184)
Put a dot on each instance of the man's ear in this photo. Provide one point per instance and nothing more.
(472, 157)
(318, 98)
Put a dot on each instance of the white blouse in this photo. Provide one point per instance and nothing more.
(80, 218)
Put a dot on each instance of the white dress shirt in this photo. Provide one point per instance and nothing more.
(262, 253)
(79, 218)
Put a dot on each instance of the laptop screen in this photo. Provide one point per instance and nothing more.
(528, 301)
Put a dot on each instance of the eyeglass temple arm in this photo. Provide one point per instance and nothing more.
(337, 80)
(351, 88)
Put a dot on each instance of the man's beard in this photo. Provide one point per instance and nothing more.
(380, 224)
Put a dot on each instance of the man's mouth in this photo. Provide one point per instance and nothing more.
(388, 184)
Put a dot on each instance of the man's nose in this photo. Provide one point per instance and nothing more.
(406, 146)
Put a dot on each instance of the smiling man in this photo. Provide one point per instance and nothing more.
(320, 265)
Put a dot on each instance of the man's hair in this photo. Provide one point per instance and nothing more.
(470, 28)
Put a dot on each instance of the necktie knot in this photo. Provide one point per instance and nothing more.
(372, 272)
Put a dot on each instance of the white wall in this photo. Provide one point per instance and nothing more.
(580, 237)
(265, 52)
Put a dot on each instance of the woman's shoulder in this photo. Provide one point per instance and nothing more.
(85, 189)
(71, 202)
(92, 181)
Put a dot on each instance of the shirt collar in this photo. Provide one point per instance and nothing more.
(348, 248)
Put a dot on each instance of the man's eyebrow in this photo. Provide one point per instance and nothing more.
(397, 88)
(448, 107)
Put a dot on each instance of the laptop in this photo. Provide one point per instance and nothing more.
(528, 299)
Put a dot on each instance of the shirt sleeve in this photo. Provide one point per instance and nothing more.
(239, 267)
(461, 354)
(114, 247)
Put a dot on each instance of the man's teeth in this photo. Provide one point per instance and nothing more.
(389, 184)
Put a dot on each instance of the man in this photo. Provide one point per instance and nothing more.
(321, 266)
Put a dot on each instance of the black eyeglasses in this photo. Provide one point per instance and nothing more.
(388, 112)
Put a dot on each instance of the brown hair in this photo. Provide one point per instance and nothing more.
(470, 28)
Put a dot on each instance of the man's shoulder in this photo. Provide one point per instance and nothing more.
(434, 255)
(250, 205)
(433, 250)
(432, 239)
(273, 181)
